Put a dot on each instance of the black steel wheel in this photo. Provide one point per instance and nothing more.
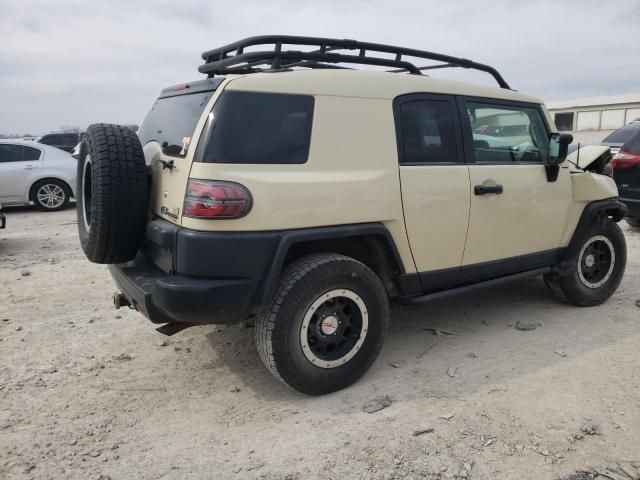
(595, 271)
(325, 325)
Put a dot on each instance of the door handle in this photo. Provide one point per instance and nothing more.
(484, 189)
(30, 167)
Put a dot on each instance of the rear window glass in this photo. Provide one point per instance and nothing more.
(172, 121)
(633, 145)
(261, 128)
(623, 134)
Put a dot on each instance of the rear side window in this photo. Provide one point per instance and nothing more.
(259, 128)
(623, 134)
(172, 121)
(428, 132)
(30, 153)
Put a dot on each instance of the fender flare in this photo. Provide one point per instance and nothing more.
(290, 238)
(593, 212)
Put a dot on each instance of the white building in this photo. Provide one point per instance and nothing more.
(590, 120)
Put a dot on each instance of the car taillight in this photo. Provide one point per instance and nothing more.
(625, 160)
(216, 199)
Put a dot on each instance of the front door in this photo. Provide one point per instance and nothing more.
(517, 214)
(434, 180)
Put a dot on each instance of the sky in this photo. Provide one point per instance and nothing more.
(73, 63)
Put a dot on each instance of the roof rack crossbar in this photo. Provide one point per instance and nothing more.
(233, 58)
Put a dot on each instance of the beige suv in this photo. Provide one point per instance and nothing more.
(308, 195)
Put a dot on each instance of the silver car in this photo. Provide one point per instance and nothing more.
(33, 172)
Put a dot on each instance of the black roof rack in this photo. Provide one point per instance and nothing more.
(232, 58)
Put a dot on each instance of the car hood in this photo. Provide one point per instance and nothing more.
(585, 156)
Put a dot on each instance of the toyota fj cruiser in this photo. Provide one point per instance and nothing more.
(287, 187)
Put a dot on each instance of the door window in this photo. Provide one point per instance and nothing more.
(18, 153)
(10, 153)
(427, 132)
(507, 134)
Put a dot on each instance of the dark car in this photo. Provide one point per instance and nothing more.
(621, 136)
(626, 173)
(3, 218)
(63, 141)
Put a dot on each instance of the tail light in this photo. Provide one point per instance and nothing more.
(625, 160)
(216, 199)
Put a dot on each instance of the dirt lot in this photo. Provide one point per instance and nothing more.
(92, 393)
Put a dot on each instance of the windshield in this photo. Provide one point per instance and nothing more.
(172, 121)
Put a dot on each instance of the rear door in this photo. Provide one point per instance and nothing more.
(167, 137)
(434, 181)
(517, 215)
(19, 166)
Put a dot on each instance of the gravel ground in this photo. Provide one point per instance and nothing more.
(88, 392)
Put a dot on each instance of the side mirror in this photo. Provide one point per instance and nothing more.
(559, 147)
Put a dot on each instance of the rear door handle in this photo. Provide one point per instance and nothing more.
(30, 167)
(484, 189)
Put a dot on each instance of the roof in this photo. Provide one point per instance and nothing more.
(595, 101)
(364, 84)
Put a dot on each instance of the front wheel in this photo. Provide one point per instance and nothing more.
(325, 325)
(596, 272)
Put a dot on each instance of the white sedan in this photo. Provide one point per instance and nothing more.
(33, 172)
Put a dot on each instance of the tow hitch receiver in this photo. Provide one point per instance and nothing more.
(119, 301)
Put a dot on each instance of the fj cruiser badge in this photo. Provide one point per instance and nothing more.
(172, 214)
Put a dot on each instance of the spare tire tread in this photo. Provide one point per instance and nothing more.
(119, 194)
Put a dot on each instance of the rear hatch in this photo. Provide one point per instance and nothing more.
(168, 135)
(626, 168)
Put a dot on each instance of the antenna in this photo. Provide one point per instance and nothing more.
(577, 162)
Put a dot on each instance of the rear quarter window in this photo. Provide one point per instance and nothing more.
(258, 128)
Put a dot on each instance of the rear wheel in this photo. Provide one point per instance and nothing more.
(50, 195)
(597, 271)
(326, 324)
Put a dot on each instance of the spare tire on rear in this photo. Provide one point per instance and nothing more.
(113, 193)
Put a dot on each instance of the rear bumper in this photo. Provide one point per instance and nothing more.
(633, 206)
(166, 298)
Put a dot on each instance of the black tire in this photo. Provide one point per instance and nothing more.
(279, 328)
(112, 194)
(50, 195)
(633, 221)
(596, 269)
